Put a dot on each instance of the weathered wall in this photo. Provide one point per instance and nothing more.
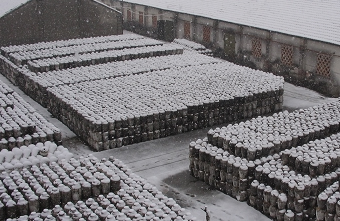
(51, 20)
(233, 42)
(60, 19)
(98, 20)
(21, 26)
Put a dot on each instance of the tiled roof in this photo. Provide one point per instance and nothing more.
(9, 5)
(313, 19)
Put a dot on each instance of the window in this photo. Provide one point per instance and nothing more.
(129, 17)
(141, 18)
(256, 48)
(154, 21)
(287, 54)
(187, 30)
(323, 66)
(206, 33)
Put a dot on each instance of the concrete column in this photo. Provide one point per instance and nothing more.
(161, 16)
(240, 50)
(176, 25)
(122, 8)
(303, 46)
(267, 64)
(268, 44)
(194, 28)
(215, 33)
(146, 17)
(133, 12)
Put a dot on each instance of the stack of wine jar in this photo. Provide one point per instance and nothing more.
(20, 124)
(41, 180)
(285, 165)
(119, 90)
(190, 45)
(83, 189)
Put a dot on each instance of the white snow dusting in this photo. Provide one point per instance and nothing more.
(317, 19)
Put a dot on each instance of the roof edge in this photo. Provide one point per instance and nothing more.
(15, 8)
(170, 10)
(103, 4)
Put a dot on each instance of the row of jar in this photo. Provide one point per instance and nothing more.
(168, 85)
(118, 135)
(328, 203)
(32, 190)
(223, 166)
(120, 68)
(240, 138)
(42, 132)
(28, 81)
(71, 61)
(22, 120)
(136, 199)
(315, 158)
(285, 120)
(10, 70)
(193, 46)
(280, 206)
(24, 56)
(190, 44)
(105, 209)
(4, 101)
(32, 154)
(15, 123)
(67, 43)
(5, 89)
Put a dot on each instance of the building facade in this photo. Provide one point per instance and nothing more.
(50, 20)
(303, 61)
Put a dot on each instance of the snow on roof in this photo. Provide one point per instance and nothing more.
(313, 19)
(8, 5)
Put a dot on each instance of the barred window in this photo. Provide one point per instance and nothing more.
(187, 30)
(141, 18)
(206, 33)
(287, 54)
(256, 48)
(323, 66)
(154, 21)
(128, 14)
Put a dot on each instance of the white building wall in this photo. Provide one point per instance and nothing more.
(271, 42)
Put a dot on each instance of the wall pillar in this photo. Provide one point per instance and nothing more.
(303, 46)
(146, 16)
(176, 27)
(267, 64)
(240, 48)
(161, 12)
(133, 13)
(122, 8)
(194, 28)
(215, 33)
